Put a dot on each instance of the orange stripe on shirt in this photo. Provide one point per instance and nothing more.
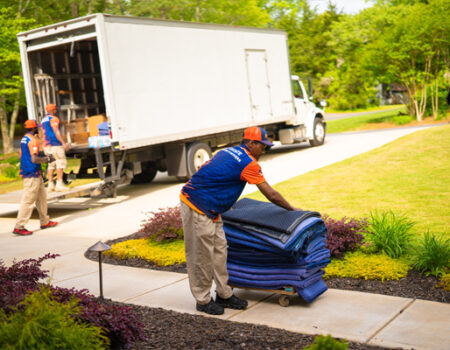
(186, 201)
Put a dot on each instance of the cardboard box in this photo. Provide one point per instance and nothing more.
(94, 121)
(80, 137)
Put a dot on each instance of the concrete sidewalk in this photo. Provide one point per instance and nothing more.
(368, 318)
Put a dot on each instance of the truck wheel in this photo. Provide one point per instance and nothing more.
(197, 154)
(147, 175)
(318, 133)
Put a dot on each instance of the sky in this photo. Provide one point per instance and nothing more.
(348, 6)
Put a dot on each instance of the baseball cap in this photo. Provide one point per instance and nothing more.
(50, 107)
(255, 133)
(30, 124)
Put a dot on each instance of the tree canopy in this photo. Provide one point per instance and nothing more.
(346, 56)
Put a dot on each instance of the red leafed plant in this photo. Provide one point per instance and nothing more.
(165, 224)
(120, 323)
(343, 235)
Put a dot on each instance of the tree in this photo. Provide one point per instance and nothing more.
(11, 82)
(409, 51)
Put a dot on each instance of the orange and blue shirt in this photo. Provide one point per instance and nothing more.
(49, 137)
(218, 184)
(29, 146)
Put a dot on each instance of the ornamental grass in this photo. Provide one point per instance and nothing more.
(368, 266)
(162, 253)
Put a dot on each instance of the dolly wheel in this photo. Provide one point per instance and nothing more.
(283, 300)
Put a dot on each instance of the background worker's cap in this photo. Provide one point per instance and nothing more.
(256, 133)
(30, 124)
(50, 107)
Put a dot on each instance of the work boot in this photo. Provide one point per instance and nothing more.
(232, 302)
(211, 308)
(22, 232)
(49, 224)
(51, 186)
(60, 187)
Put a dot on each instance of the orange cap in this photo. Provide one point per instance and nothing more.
(50, 107)
(30, 124)
(256, 133)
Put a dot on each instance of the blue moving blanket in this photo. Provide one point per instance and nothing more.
(271, 248)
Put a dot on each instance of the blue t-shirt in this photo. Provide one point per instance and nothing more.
(49, 137)
(217, 185)
(29, 145)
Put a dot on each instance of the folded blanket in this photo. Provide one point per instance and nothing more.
(260, 215)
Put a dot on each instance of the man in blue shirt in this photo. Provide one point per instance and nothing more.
(33, 186)
(212, 190)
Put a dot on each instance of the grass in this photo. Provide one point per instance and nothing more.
(360, 122)
(410, 175)
(370, 109)
(10, 185)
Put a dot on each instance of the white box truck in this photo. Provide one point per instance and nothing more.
(171, 92)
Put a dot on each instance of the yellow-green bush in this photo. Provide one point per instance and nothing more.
(367, 266)
(163, 253)
(445, 282)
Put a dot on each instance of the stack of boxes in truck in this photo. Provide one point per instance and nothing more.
(78, 131)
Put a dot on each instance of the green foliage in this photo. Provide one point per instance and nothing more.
(402, 119)
(40, 322)
(163, 253)
(445, 282)
(389, 233)
(360, 264)
(327, 343)
(432, 256)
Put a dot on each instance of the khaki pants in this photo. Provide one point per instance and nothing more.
(59, 154)
(206, 255)
(33, 192)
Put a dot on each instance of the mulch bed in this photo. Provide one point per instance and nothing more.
(167, 329)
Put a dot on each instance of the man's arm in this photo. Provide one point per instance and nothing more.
(59, 137)
(38, 160)
(274, 196)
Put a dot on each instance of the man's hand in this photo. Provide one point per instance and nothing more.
(50, 158)
(66, 147)
(274, 196)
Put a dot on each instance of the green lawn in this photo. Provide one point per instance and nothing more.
(357, 123)
(410, 175)
(375, 108)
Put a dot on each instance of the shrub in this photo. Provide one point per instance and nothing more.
(367, 266)
(120, 323)
(402, 119)
(445, 282)
(327, 343)
(19, 279)
(343, 235)
(161, 253)
(389, 233)
(40, 322)
(432, 256)
(165, 224)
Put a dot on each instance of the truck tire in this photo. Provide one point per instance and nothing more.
(197, 153)
(318, 133)
(147, 175)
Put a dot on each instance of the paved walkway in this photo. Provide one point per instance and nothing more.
(367, 318)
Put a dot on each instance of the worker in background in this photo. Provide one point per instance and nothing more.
(212, 190)
(54, 145)
(33, 185)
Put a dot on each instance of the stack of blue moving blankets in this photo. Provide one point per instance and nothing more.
(271, 248)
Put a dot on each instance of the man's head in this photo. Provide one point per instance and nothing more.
(51, 108)
(255, 138)
(30, 126)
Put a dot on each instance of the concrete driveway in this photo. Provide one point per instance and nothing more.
(363, 317)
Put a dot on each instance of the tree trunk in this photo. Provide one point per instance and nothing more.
(197, 12)
(7, 143)
(75, 10)
(14, 116)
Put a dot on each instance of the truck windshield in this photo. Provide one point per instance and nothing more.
(296, 89)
